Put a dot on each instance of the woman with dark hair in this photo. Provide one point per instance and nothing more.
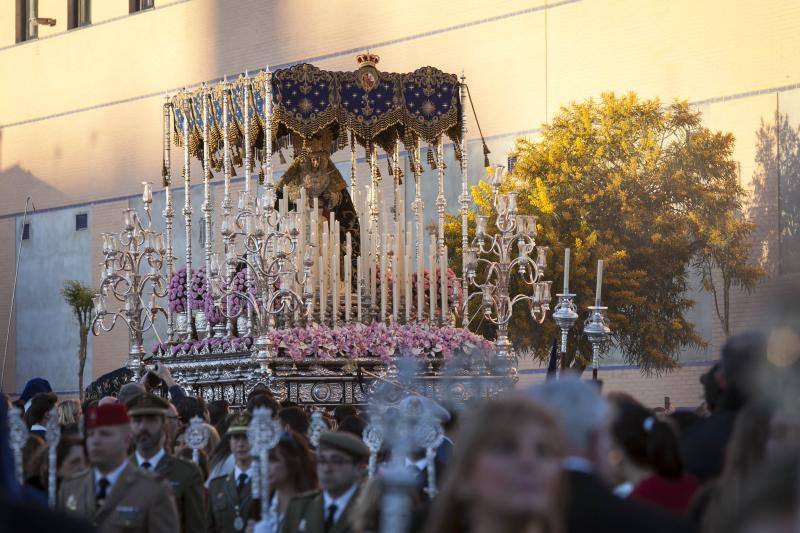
(292, 470)
(650, 458)
(505, 475)
(71, 456)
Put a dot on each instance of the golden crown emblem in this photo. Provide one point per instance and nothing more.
(367, 59)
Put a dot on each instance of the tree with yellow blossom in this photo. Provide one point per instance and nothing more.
(650, 190)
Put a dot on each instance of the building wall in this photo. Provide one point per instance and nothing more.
(46, 330)
(84, 124)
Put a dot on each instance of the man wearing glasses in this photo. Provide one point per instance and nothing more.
(341, 463)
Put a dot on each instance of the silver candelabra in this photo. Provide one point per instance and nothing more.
(515, 231)
(269, 248)
(132, 263)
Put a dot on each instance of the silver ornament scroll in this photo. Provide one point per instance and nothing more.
(18, 433)
(196, 437)
(53, 436)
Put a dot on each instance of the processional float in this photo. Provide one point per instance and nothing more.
(314, 287)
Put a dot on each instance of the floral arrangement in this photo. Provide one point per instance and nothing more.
(352, 341)
(177, 291)
(198, 289)
(200, 299)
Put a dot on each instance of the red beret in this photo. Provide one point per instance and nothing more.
(110, 414)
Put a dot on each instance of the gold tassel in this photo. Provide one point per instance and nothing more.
(431, 158)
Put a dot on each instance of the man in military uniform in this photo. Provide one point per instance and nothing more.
(230, 496)
(115, 495)
(341, 462)
(147, 412)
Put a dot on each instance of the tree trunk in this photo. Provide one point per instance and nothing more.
(726, 304)
(82, 361)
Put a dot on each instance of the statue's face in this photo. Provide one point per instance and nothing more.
(315, 175)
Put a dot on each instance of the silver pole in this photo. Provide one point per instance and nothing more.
(419, 209)
(441, 205)
(465, 199)
(206, 208)
(14, 291)
(169, 212)
(226, 198)
(187, 207)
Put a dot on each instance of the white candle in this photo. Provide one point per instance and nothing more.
(407, 271)
(335, 270)
(371, 263)
(359, 276)
(323, 266)
(432, 274)
(566, 271)
(395, 280)
(348, 280)
(420, 278)
(384, 268)
(443, 281)
(599, 282)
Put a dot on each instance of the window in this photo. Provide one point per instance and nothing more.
(139, 5)
(202, 235)
(81, 221)
(26, 231)
(79, 13)
(27, 11)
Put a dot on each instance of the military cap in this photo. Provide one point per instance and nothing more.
(239, 424)
(345, 442)
(147, 404)
(113, 414)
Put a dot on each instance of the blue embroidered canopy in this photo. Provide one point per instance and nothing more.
(379, 108)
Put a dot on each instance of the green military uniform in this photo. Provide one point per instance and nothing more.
(306, 512)
(183, 476)
(228, 510)
(138, 501)
(186, 481)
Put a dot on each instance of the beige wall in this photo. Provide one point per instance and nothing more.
(7, 260)
(82, 121)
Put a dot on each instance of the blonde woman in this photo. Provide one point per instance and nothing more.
(506, 474)
(69, 412)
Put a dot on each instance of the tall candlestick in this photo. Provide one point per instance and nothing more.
(599, 283)
(323, 296)
(206, 207)
(246, 126)
(187, 206)
(335, 270)
(420, 273)
(371, 264)
(432, 275)
(395, 279)
(443, 281)
(359, 278)
(566, 271)
(407, 269)
(169, 213)
(348, 281)
(384, 268)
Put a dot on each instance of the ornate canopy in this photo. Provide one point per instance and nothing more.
(379, 108)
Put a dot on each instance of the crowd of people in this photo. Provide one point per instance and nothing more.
(561, 457)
